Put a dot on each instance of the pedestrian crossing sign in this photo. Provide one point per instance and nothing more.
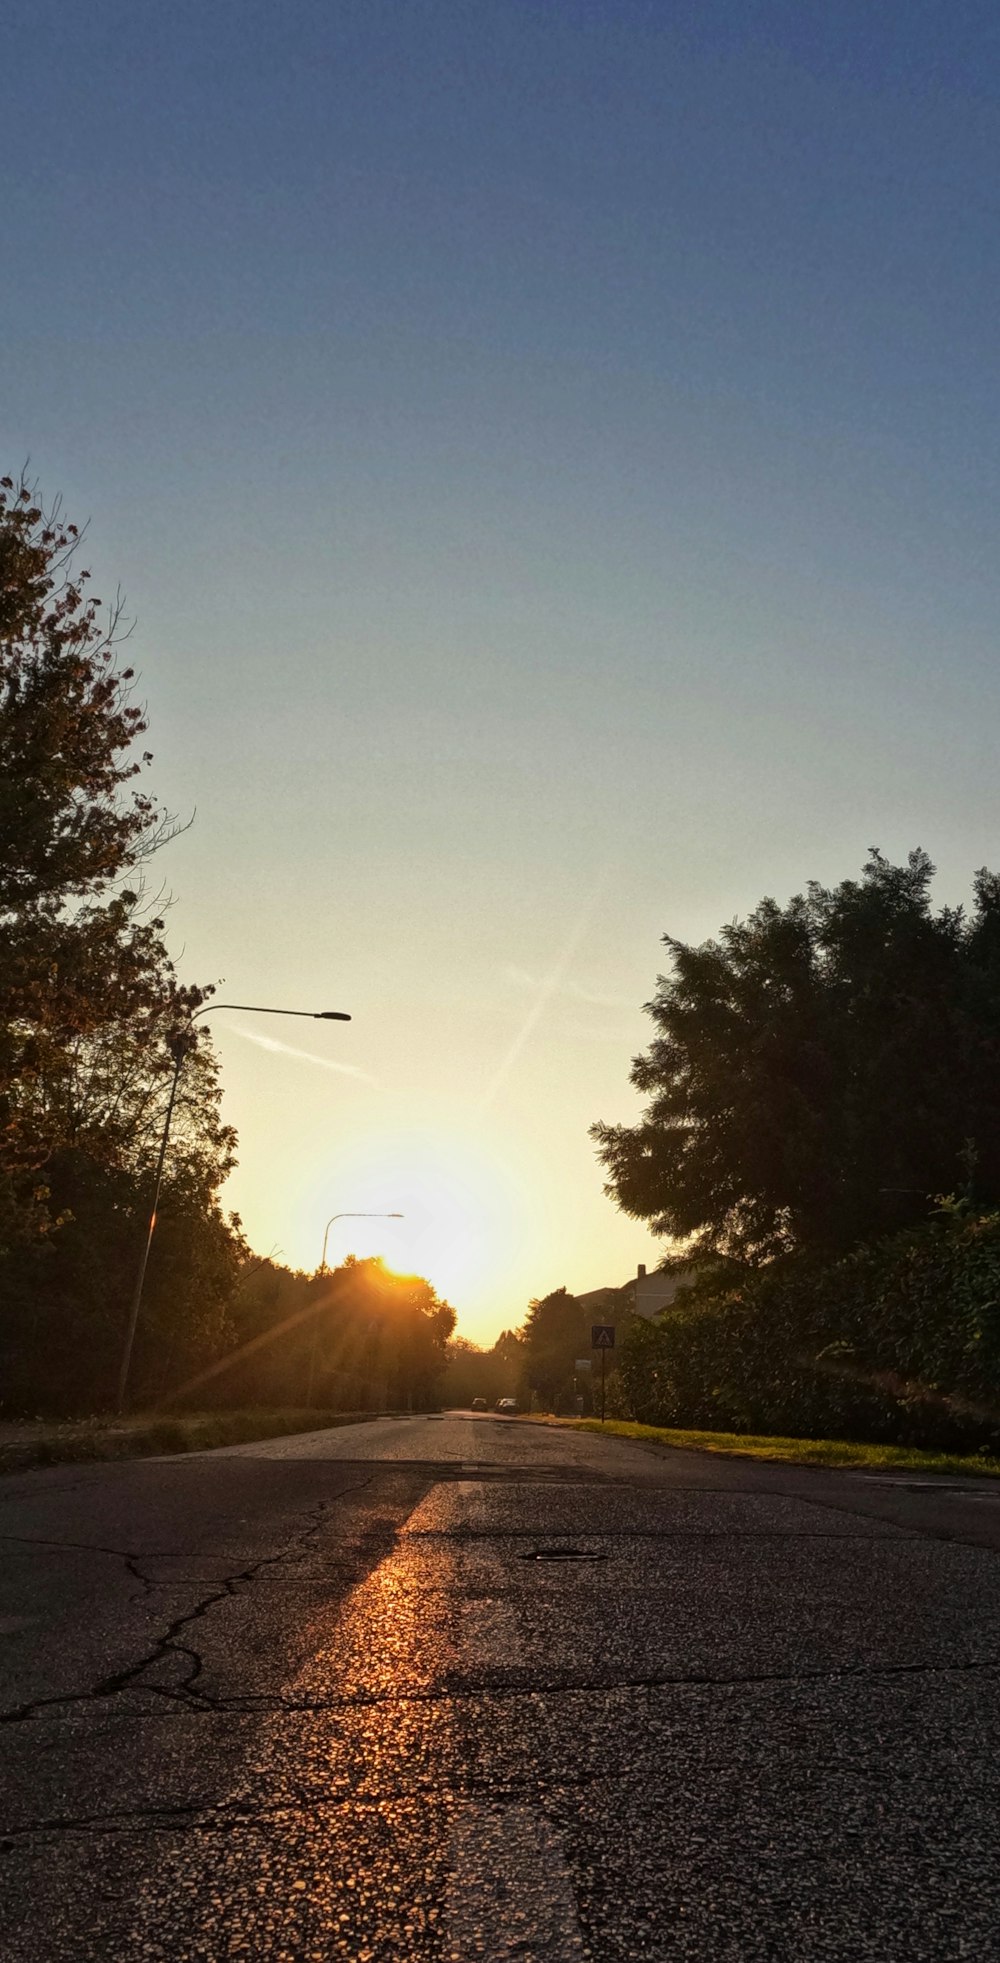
(602, 1335)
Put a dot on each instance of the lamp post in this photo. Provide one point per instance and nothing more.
(351, 1216)
(180, 1043)
(321, 1270)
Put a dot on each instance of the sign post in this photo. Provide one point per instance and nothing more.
(602, 1337)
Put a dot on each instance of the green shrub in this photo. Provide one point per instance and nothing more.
(898, 1341)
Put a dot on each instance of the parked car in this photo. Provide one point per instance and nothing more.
(479, 1404)
(507, 1407)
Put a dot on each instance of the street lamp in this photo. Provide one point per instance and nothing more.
(351, 1216)
(321, 1270)
(180, 1043)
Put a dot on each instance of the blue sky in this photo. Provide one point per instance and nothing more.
(551, 453)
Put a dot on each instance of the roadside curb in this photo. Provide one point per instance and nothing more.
(111, 1444)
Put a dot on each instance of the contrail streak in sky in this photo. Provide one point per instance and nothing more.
(572, 989)
(304, 1056)
(546, 989)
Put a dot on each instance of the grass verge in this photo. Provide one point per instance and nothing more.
(39, 1443)
(799, 1451)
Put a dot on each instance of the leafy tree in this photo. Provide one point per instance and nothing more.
(271, 1359)
(361, 1338)
(508, 1348)
(88, 1003)
(475, 1372)
(393, 1328)
(63, 1294)
(75, 953)
(820, 1070)
(554, 1333)
(897, 1340)
(470, 1372)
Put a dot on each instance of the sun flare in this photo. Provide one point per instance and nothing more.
(458, 1206)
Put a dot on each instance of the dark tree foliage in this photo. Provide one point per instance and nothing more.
(68, 728)
(88, 1002)
(554, 1333)
(820, 1071)
(475, 1372)
(362, 1338)
(899, 1340)
(77, 952)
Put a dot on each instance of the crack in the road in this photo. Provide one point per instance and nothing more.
(187, 1694)
(454, 1693)
(130, 1561)
(207, 1704)
(195, 1703)
(460, 1535)
(798, 1483)
(208, 1816)
(73, 1547)
(212, 1817)
(169, 1644)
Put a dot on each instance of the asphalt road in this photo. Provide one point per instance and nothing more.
(462, 1688)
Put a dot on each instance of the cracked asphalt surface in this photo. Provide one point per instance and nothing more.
(463, 1688)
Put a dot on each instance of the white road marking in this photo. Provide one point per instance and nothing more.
(511, 1893)
(914, 1484)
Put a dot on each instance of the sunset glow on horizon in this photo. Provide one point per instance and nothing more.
(548, 453)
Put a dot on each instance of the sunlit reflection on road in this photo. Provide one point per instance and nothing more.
(349, 1855)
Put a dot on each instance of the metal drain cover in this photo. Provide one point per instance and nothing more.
(562, 1554)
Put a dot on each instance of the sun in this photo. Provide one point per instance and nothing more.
(460, 1207)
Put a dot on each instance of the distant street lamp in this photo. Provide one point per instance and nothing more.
(351, 1216)
(180, 1043)
(321, 1270)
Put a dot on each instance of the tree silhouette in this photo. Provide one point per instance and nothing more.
(819, 1071)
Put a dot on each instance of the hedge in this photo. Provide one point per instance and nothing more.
(898, 1341)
